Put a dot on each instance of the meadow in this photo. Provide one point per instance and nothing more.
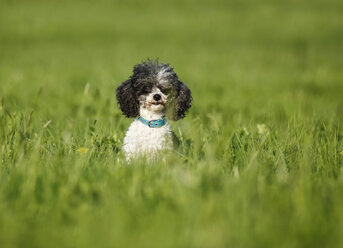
(261, 156)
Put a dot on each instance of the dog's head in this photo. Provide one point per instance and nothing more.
(156, 87)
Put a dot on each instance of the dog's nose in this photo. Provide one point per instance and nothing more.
(157, 97)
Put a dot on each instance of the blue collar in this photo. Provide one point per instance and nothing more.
(153, 123)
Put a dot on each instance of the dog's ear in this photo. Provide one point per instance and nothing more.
(127, 99)
(182, 102)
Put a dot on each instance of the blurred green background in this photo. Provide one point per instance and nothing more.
(261, 154)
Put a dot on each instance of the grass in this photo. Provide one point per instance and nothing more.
(260, 162)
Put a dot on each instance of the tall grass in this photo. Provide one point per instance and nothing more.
(261, 149)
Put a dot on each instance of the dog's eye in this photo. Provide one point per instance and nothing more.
(164, 90)
(146, 90)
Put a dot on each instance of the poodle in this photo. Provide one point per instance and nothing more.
(152, 95)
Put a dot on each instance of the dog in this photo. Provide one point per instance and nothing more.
(152, 95)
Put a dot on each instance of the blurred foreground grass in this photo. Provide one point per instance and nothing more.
(261, 147)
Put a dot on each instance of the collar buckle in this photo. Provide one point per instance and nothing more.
(150, 124)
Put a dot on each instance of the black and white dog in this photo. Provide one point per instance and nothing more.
(151, 95)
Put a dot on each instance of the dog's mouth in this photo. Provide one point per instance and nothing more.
(157, 103)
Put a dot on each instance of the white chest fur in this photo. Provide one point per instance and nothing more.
(143, 140)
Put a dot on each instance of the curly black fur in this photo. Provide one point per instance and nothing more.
(127, 99)
(183, 101)
(145, 76)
